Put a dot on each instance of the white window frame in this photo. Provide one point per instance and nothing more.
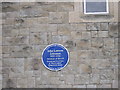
(107, 9)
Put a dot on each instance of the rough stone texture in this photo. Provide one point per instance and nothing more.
(27, 28)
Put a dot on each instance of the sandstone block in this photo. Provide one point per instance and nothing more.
(86, 35)
(94, 33)
(109, 42)
(93, 26)
(84, 69)
(76, 34)
(65, 6)
(33, 12)
(82, 79)
(58, 17)
(9, 33)
(20, 52)
(113, 29)
(83, 44)
(78, 27)
(94, 78)
(22, 83)
(97, 42)
(104, 26)
(103, 33)
(17, 40)
(38, 38)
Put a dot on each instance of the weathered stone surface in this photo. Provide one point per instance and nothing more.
(22, 83)
(9, 7)
(113, 29)
(17, 40)
(109, 42)
(83, 44)
(76, 34)
(38, 38)
(94, 78)
(64, 29)
(93, 26)
(65, 6)
(78, 27)
(103, 33)
(58, 17)
(33, 12)
(104, 26)
(86, 35)
(97, 42)
(84, 69)
(91, 40)
(9, 83)
(22, 51)
(82, 79)
(94, 33)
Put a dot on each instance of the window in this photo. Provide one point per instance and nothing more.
(96, 7)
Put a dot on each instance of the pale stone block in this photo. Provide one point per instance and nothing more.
(83, 54)
(97, 42)
(65, 86)
(43, 20)
(104, 86)
(18, 40)
(8, 21)
(25, 32)
(115, 84)
(76, 34)
(52, 27)
(93, 26)
(0, 40)
(103, 33)
(57, 39)
(44, 28)
(48, 7)
(83, 44)
(74, 17)
(22, 83)
(94, 33)
(10, 33)
(94, 78)
(91, 86)
(107, 74)
(70, 79)
(109, 42)
(70, 45)
(78, 27)
(31, 82)
(58, 17)
(86, 35)
(84, 69)
(9, 62)
(35, 11)
(63, 31)
(38, 38)
(65, 6)
(104, 26)
(9, 83)
(82, 79)
(22, 51)
(73, 56)
(79, 86)
(101, 63)
(113, 29)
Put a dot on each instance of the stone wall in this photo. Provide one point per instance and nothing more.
(92, 41)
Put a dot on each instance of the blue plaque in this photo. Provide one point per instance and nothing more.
(55, 57)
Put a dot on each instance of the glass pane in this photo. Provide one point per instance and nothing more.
(96, 6)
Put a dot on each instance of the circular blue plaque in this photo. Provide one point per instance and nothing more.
(55, 57)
